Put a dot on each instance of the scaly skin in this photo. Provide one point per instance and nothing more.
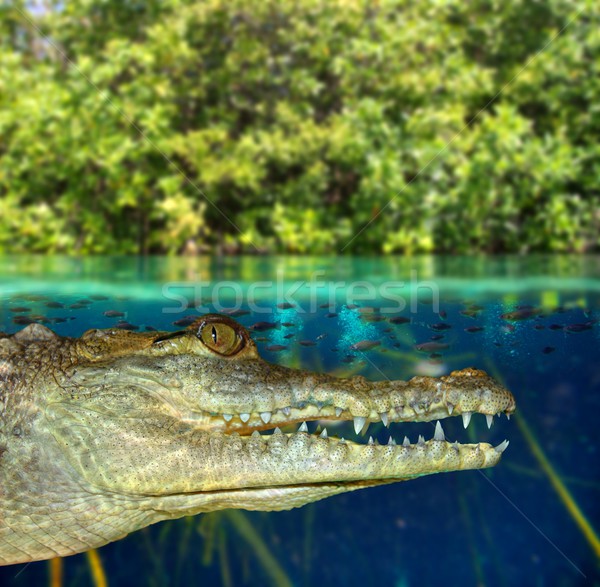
(105, 434)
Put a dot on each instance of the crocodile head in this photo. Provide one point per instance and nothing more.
(175, 423)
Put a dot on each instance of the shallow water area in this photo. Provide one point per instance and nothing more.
(531, 322)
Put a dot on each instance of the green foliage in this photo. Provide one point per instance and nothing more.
(289, 126)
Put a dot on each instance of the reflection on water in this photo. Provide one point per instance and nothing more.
(531, 322)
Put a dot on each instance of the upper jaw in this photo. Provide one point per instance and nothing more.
(322, 397)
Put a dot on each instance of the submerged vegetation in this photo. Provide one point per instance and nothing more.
(441, 127)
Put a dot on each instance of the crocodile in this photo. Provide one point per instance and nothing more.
(107, 433)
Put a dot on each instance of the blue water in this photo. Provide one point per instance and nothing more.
(515, 524)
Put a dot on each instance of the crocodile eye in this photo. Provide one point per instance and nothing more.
(220, 338)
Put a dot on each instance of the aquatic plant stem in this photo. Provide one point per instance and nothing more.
(240, 522)
(96, 568)
(558, 485)
(56, 572)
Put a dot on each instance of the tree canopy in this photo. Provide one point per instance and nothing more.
(300, 126)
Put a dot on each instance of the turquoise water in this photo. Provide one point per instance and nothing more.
(530, 321)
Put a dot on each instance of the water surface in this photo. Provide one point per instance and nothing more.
(530, 321)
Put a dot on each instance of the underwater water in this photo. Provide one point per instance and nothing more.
(531, 322)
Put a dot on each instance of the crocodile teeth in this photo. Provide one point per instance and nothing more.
(466, 418)
(287, 411)
(508, 416)
(265, 417)
(244, 417)
(439, 432)
(421, 439)
(489, 420)
(324, 433)
(227, 417)
(450, 408)
(338, 412)
(391, 442)
(359, 423)
(371, 441)
(417, 408)
(406, 442)
(384, 418)
(303, 427)
(501, 447)
(277, 430)
(256, 434)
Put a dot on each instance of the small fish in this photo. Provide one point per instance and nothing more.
(331, 315)
(351, 306)
(322, 336)
(470, 313)
(437, 336)
(263, 326)
(443, 314)
(365, 345)
(290, 335)
(77, 306)
(122, 325)
(432, 347)
(275, 348)
(523, 314)
(555, 327)
(372, 318)
(53, 304)
(286, 305)
(236, 313)
(368, 310)
(439, 326)
(114, 314)
(323, 306)
(57, 320)
(307, 342)
(288, 324)
(98, 297)
(40, 318)
(573, 328)
(539, 327)
(185, 321)
(548, 349)
(474, 329)
(34, 297)
(20, 309)
(399, 320)
(22, 320)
